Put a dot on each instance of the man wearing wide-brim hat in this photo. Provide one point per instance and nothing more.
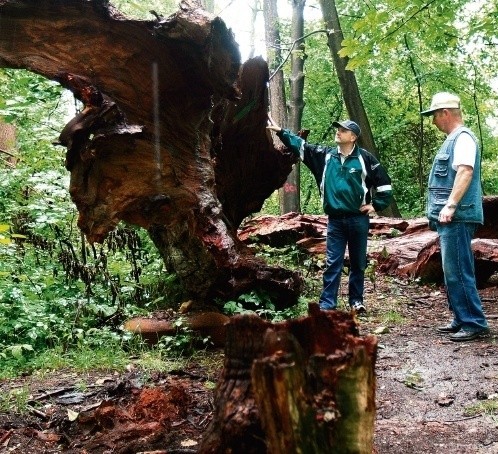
(454, 210)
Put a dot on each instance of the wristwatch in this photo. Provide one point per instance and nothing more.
(451, 205)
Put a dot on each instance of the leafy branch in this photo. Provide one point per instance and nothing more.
(293, 45)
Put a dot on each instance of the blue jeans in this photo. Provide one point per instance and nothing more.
(353, 232)
(459, 275)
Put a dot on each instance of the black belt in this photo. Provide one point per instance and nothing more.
(345, 215)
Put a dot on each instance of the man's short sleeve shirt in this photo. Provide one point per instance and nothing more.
(465, 151)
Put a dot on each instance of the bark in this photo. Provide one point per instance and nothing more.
(290, 194)
(172, 136)
(298, 56)
(305, 385)
(349, 86)
(8, 144)
(275, 60)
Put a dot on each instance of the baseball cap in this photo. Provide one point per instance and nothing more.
(348, 124)
(442, 100)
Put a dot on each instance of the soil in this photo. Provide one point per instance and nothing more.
(432, 393)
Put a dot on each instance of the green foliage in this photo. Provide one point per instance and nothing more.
(184, 343)
(260, 303)
(56, 290)
(141, 9)
(257, 301)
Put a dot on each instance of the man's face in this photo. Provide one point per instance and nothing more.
(439, 119)
(344, 136)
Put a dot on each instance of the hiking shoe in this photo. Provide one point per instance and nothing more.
(466, 335)
(449, 328)
(358, 307)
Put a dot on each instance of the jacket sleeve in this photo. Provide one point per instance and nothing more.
(293, 142)
(381, 184)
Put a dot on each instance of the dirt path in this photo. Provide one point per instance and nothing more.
(426, 388)
(428, 385)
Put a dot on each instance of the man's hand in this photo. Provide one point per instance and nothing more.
(272, 125)
(367, 209)
(446, 214)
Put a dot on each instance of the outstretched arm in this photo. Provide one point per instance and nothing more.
(272, 124)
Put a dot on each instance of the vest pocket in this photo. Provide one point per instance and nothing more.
(441, 165)
(438, 197)
(467, 206)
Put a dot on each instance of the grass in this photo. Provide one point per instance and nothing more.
(15, 400)
(115, 356)
(487, 407)
(392, 317)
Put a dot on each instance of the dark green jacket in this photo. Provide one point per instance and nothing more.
(344, 187)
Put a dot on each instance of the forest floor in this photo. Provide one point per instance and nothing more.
(433, 395)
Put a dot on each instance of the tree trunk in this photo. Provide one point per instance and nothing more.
(305, 385)
(275, 60)
(172, 136)
(8, 144)
(349, 86)
(291, 192)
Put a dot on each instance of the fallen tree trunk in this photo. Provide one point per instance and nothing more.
(305, 385)
(171, 136)
(402, 247)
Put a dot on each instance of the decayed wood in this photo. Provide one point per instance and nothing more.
(305, 385)
(171, 136)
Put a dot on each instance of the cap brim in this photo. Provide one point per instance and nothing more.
(426, 113)
(336, 124)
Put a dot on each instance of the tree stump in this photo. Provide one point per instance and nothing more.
(304, 385)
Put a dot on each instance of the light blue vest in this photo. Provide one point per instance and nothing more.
(441, 181)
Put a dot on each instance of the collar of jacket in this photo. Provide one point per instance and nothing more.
(354, 152)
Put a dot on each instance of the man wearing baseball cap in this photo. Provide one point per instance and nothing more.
(352, 184)
(454, 210)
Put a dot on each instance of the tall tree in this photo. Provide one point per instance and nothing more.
(290, 190)
(290, 198)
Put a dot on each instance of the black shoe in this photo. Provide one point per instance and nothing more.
(358, 307)
(449, 328)
(466, 335)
